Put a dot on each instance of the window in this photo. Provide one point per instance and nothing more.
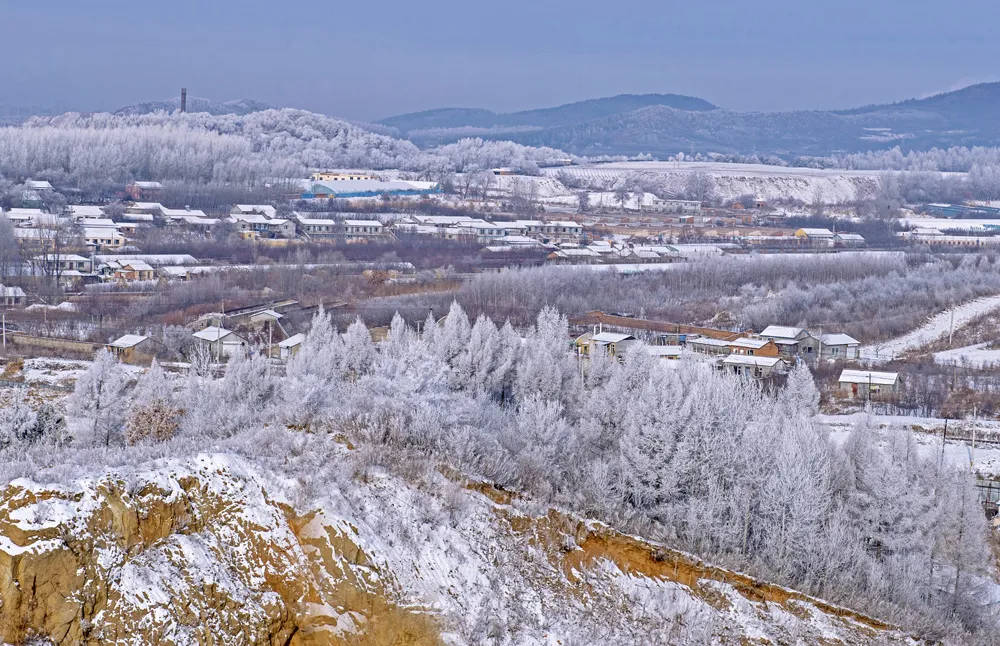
(834, 351)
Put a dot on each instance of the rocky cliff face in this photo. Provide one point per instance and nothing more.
(206, 551)
(187, 555)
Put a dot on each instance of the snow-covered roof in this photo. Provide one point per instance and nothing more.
(269, 312)
(869, 377)
(11, 292)
(264, 209)
(705, 340)
(177, 213)
(363, 223)
(817, 233)
(249, 218)
(781, 332)
(194, 220)
(851, 236)
(38, 185)
(292, 341)
(137, 265)
(744, 360)
(611, 337)
(86, 211)
(839, 339)
(101, 232)
(316, 221)
(212, 333)
(94, 223)
(754, 344)
(128, 341)
(585, 252)
(664, 350)
(147, 185)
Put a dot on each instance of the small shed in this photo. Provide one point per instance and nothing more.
(839, 346)
(748, 366)
(867, 383)
(290, 346)
(131, 348)
(220, 341)
(614, 343)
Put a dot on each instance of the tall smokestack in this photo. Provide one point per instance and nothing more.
(184, 99)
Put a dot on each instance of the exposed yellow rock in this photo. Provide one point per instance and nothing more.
(203, 558)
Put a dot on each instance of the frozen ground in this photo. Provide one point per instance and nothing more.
(937, 327)
(985, 457)
(978, 355)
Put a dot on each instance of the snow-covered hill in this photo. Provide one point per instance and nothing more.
(220, 549)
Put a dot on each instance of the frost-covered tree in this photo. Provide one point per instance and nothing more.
(17, 422)
(359, 350)
(99, 395)
(314, 373)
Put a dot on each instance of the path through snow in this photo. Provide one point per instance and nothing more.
(936, 327)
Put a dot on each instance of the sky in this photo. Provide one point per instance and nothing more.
(368, 60)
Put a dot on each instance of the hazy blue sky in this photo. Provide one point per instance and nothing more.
(370, 59)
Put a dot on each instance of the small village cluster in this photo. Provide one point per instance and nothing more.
(748, 354)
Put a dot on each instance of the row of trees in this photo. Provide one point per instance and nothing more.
(870, 296)
(687, 455)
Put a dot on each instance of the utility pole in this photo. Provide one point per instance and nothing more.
(951, 329)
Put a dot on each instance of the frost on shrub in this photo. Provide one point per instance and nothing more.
(155, 422)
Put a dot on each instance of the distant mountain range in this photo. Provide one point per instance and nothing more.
(564, 115)
(197, 104)
(664, 125)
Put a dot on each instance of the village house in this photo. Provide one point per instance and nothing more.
(362, 230)
(281, 228)
(708, 345)
(128, 270)
(754, 347)
(103, 238)
(614, 343)
(790, 340)
(66, 262)
(11, 296)
(816, 237)
(839, 347)
(664, 352)
(867, 384)
(249, 223)
(220, 342)
(266, 210)
(849, 240)
(751, 366)
(144, 190)
(318, 226)
(133, 348)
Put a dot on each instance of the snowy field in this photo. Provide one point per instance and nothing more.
(985, 457)
(978, 355)
(937, 327)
